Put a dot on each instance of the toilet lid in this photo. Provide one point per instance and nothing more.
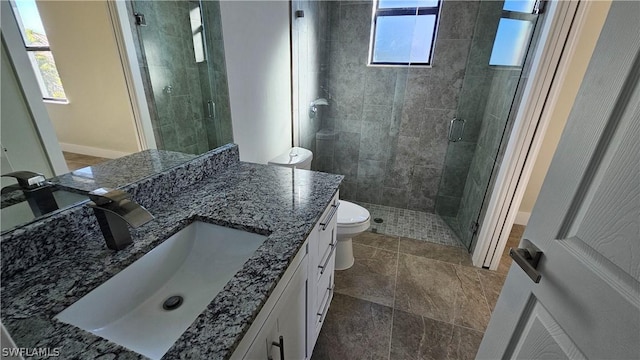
(350, 213)
(294, 156)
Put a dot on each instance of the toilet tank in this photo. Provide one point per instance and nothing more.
(296, 157)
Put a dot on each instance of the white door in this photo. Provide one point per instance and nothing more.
(586, 222)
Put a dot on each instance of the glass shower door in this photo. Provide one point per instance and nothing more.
(495, 70)
(183, 58)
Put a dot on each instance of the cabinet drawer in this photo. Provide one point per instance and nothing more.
(325, 294)
(325, 281)
(326, 231)
(327, 258)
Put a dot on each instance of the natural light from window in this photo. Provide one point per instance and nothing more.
(37, 46)
(403, 32)
(513, 34)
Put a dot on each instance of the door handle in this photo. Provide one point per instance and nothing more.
(528, 258)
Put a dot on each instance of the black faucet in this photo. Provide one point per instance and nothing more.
(36, 189)
(114, 209)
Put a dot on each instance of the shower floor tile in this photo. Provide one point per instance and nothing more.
(412, 224)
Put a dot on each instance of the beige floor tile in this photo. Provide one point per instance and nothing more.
(450, 254)
(492, 283)
(380, 241)
(372, 277)
(354, 329)
(471, 309)
(417, 337)
(426, 287)
(464, 343)
(77, 161)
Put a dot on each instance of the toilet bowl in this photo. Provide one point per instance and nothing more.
(353, 220)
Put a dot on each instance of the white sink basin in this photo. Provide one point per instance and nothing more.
(195, 263)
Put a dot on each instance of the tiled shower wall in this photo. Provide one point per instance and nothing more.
(166, 58)
(392, 122)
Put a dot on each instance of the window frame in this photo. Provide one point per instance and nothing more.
(404, 11)
(34, 49)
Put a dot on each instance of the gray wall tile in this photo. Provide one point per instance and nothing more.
(447, 205)
(395, 197)
(399, 117)
(458, 19)
(374, 141)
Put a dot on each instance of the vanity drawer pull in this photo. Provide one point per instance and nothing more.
(280, 346)
(326, 222)
(326, 262)
(326, 304)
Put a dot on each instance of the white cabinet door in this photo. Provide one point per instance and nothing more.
(291, 322)
(284, 331)
(586, 222)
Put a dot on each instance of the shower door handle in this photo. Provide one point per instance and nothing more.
(211, 109)
(456, 130)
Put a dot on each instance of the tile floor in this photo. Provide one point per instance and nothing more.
(77, 161)
(412, 224)
(410, 299)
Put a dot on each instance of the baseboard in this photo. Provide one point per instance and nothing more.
(93, 151)
(522, 218)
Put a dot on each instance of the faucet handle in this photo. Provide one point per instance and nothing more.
(119, 203)
(103, 196)
(27, 179)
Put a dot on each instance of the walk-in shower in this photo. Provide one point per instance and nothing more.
(181, 56)
(388, 128)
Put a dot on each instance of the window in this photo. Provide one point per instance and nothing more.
(403, 32)
(514, 33)
(37, 46)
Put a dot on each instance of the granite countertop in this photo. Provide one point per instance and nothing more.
(110, 174)
(279, 202)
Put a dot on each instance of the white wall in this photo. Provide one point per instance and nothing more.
(19, 136)
(578, 65)
(98, 119)
(256, 42)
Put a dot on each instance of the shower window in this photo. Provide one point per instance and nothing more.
(514, 32)
(403, 32)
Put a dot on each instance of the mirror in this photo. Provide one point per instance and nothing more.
(21, 204)
(180, 52)
(19, 208)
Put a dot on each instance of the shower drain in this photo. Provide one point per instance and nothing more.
(172, 302)
(378, 220)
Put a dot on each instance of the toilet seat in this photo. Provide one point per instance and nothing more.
(352, 215)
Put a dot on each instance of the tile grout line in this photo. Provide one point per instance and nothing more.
(393, 304)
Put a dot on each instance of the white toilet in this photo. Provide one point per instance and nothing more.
(295, 157)
(353, 219)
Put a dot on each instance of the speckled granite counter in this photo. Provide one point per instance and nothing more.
(42, 274)
(121, 171)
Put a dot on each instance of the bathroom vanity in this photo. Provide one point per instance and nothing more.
(290, 322)
(276, 301)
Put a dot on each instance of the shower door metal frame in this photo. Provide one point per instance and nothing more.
(561, 29)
